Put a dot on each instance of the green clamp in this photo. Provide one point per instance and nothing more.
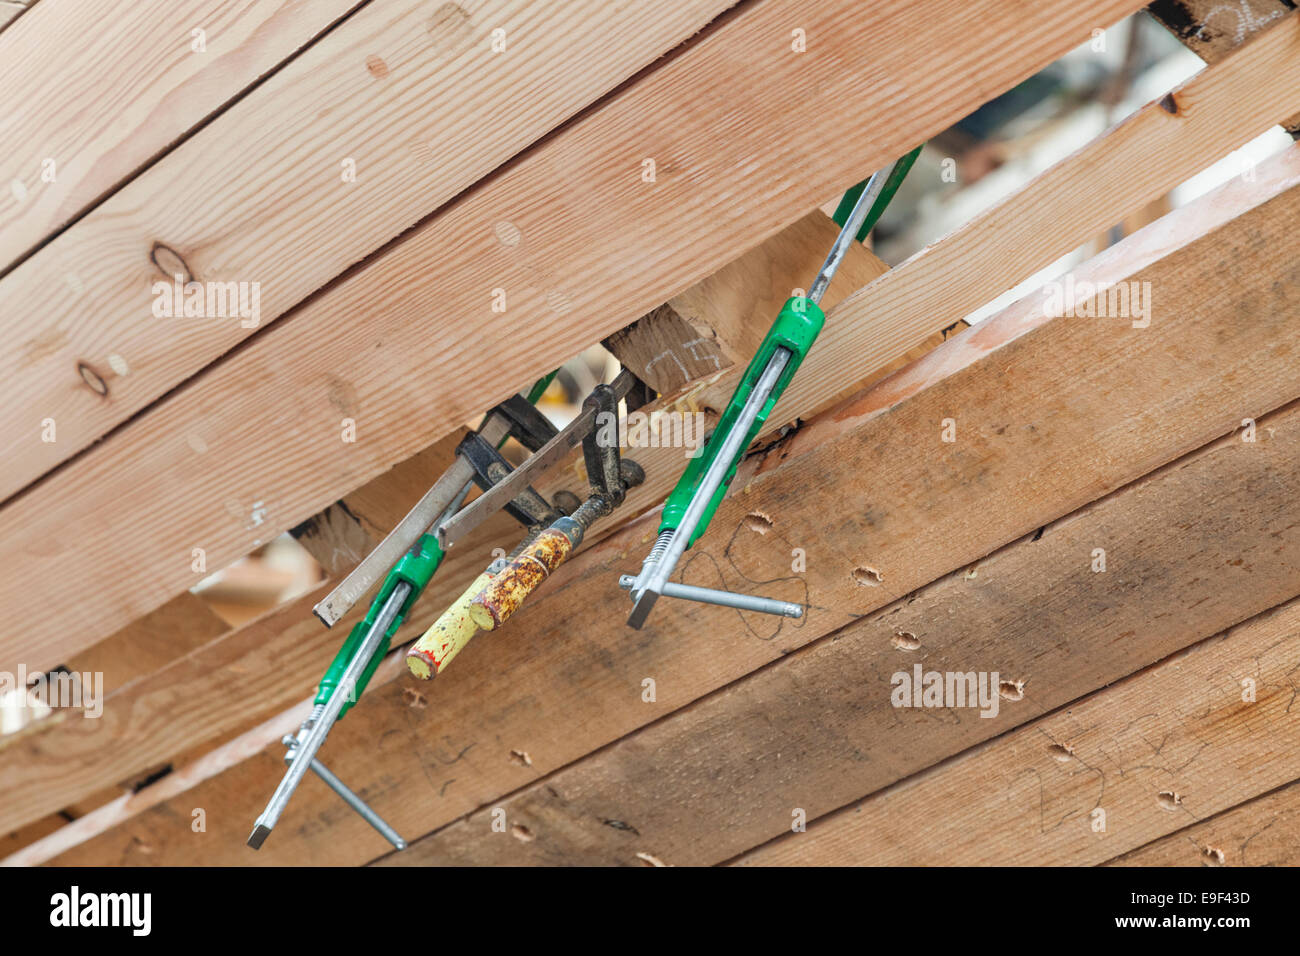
(795, 329)
(415, 569)
(850, 199)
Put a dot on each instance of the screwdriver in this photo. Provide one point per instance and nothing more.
(700, 490)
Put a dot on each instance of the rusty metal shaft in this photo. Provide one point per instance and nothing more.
(524, 572)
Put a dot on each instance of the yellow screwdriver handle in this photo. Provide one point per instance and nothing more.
(448, 635)
(510, 586)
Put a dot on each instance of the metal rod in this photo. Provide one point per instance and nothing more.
(654, 574)
(357, 804)
(315, 736)
(849, 232)
(742, 602)
(453, 485)
(507, 489)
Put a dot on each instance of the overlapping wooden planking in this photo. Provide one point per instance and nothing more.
(303, 608)
(1212, 29)
(1259, 832)
(202, 690)
(218, 689)
(146, 645)
(719, 321)
(1034, 422)
(129, 740)
(370, 130)
(1189, 551)
(101, 88)
(1050, 216)
(1102, 776)
(409, 345)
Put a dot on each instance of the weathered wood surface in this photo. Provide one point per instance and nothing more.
(1188, 552)
(252, 446)
(1152, 754)
(1264, 831)
(1040, 434)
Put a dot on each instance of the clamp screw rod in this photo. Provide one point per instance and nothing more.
(650, 582)
(742, 602)
(316, 733)
(849, 232)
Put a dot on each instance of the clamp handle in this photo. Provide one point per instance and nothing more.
(448, 635)
(509, 588)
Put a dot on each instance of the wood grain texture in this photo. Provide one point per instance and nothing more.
(15, 840)
(337, 538)
(181, 625)
(1214, 28)
(1259, 832)
(10, 10)
(221, 688)
(102, 88)
(1137, 161)
(190, 698)
(741, 299)
(1156, 752)
(1202, 544)
(400, 91)
(268, 418)
(1051, 415)
(720, 321)
(666, 351)
(172, 786)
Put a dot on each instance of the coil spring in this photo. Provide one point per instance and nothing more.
(661, 545)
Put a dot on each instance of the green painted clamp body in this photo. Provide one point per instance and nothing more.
(415, 569)
(795, 329)
(850, 199)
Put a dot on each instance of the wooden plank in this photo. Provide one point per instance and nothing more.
(1029, 797)
(720, 321)
(298, 474)
(10, 10)
(1042, 433)
(1212, 28)
(224, 759)
(181, 625)
(223, 687)
(16, 840)
(75, 93)
(1190, 551)
(1053, 214)
(369, 131)
(1259, 832)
